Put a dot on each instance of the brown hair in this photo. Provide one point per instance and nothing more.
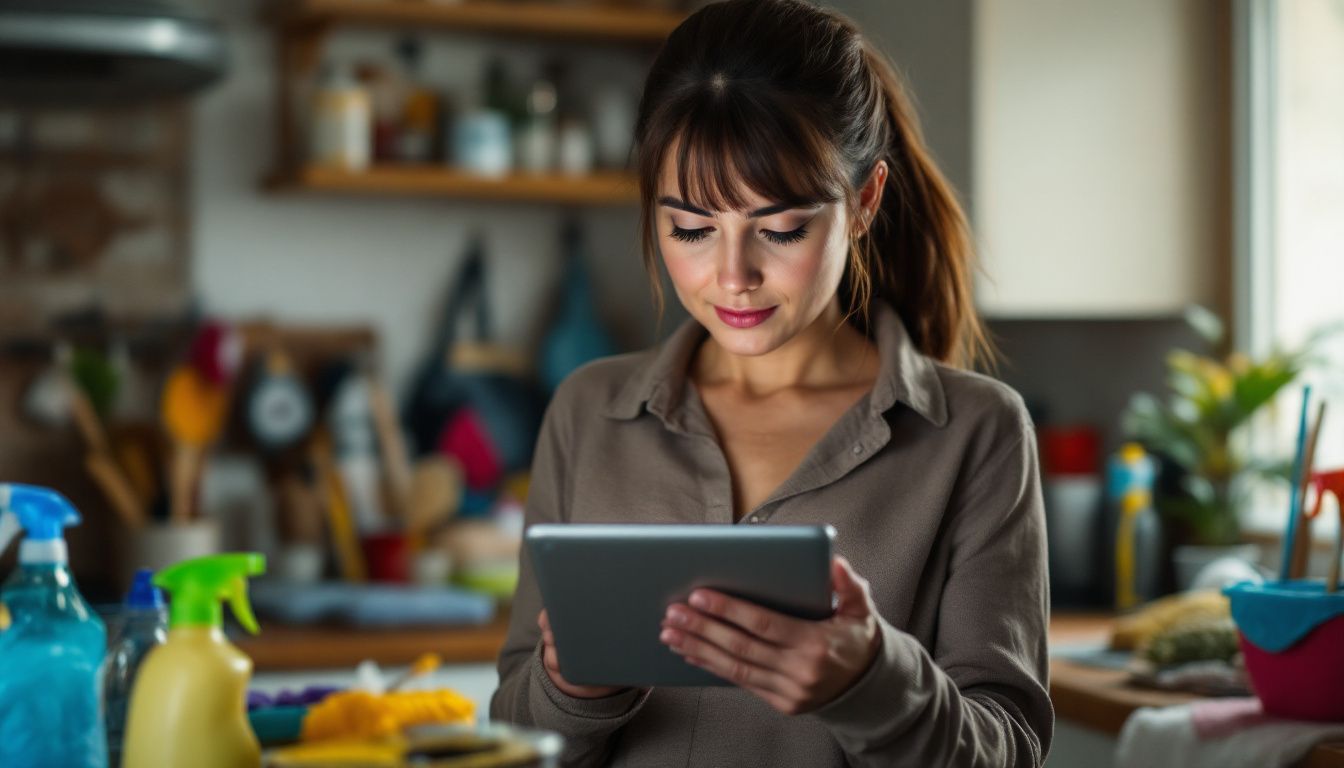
(791, 101)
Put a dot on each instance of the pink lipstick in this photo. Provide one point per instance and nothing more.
(743, 318)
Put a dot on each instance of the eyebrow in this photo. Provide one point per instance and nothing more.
(769, 210)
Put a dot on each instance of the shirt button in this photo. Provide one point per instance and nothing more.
(755, 518)
(858, 448)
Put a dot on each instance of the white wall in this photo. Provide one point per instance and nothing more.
(1096, 155)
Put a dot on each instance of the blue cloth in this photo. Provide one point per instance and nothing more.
(1277, 614)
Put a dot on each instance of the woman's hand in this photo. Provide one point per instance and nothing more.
(793, 664)
(552, 664)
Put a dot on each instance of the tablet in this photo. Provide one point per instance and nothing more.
(606, 589)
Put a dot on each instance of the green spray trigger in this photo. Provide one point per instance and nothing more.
(198, 586)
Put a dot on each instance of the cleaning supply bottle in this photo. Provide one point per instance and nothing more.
(1137, 538)
(189, 704)
(52, 648)
(143, 627)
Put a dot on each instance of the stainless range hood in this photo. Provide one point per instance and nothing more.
(105, 52)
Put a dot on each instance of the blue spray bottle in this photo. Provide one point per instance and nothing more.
(53, 647)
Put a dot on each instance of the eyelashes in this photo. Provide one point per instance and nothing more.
(689, 235)
(778, 238)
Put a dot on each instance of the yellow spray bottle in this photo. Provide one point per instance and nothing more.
(188, 707)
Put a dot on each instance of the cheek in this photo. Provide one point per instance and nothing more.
(688, 272)
(812, 273)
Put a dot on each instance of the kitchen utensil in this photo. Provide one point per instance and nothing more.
(120, 495)
(349, 416)
(46, 400)
(423, 665)
(1331, 482)
(339, 520)
(1295, 502)
(436, 491)
(391, 445)
(217, 352)
(1302, 547)
(279, 410)
(136, 447)
(193, 414)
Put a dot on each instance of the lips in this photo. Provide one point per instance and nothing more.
(743, 318)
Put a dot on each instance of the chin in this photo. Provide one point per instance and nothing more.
(746, 342)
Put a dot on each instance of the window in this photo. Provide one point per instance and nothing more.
(1290, 211)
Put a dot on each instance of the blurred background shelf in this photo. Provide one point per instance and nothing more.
(281, 647)
(600, 188)
(558, 21)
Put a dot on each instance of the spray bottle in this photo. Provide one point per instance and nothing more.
(52, 648)
(188, 706)
(1137, 532)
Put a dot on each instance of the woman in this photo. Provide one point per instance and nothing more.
(825, 264)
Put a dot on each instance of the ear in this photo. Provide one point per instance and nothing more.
(870, 195)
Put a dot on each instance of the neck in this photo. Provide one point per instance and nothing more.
(829, 352)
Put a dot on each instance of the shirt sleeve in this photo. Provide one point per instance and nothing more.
(526, 695)
(979, 697)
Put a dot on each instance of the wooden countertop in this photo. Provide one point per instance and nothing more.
(1099, 699)
(1102, 699)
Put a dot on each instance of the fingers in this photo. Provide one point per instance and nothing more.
(760, 622)
(736, 670)
(851, 589)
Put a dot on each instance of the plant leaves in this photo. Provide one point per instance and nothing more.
(1204, 322)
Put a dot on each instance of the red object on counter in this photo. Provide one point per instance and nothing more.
(1305, 681)
(388, 556)
(1070, 450)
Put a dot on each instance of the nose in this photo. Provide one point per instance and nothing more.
(737, 273)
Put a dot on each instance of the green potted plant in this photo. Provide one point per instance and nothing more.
(1200, 429)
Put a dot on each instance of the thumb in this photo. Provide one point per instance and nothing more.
(851, 590)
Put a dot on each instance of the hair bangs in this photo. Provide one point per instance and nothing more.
(727, 147)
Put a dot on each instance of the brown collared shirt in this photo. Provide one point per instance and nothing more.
(931, 483)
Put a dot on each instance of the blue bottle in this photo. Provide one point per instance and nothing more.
(142, 625)
(52, 649)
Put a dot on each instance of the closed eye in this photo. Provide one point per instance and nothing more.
(689, 235)
(784, 238)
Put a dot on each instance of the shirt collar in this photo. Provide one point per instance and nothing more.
(904, 375)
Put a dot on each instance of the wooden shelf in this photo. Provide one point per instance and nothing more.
(569, 20)
(436, 181)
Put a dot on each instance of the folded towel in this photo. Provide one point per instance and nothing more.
(1217, 733)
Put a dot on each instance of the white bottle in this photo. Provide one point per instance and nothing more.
(576, 148)
(342, 123)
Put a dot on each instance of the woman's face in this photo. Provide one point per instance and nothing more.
(755, 277)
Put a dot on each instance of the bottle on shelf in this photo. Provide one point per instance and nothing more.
(483, 136)
(537, 135)
(419, 115)
(342, 122)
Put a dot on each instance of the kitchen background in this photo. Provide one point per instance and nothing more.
(304, 218)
